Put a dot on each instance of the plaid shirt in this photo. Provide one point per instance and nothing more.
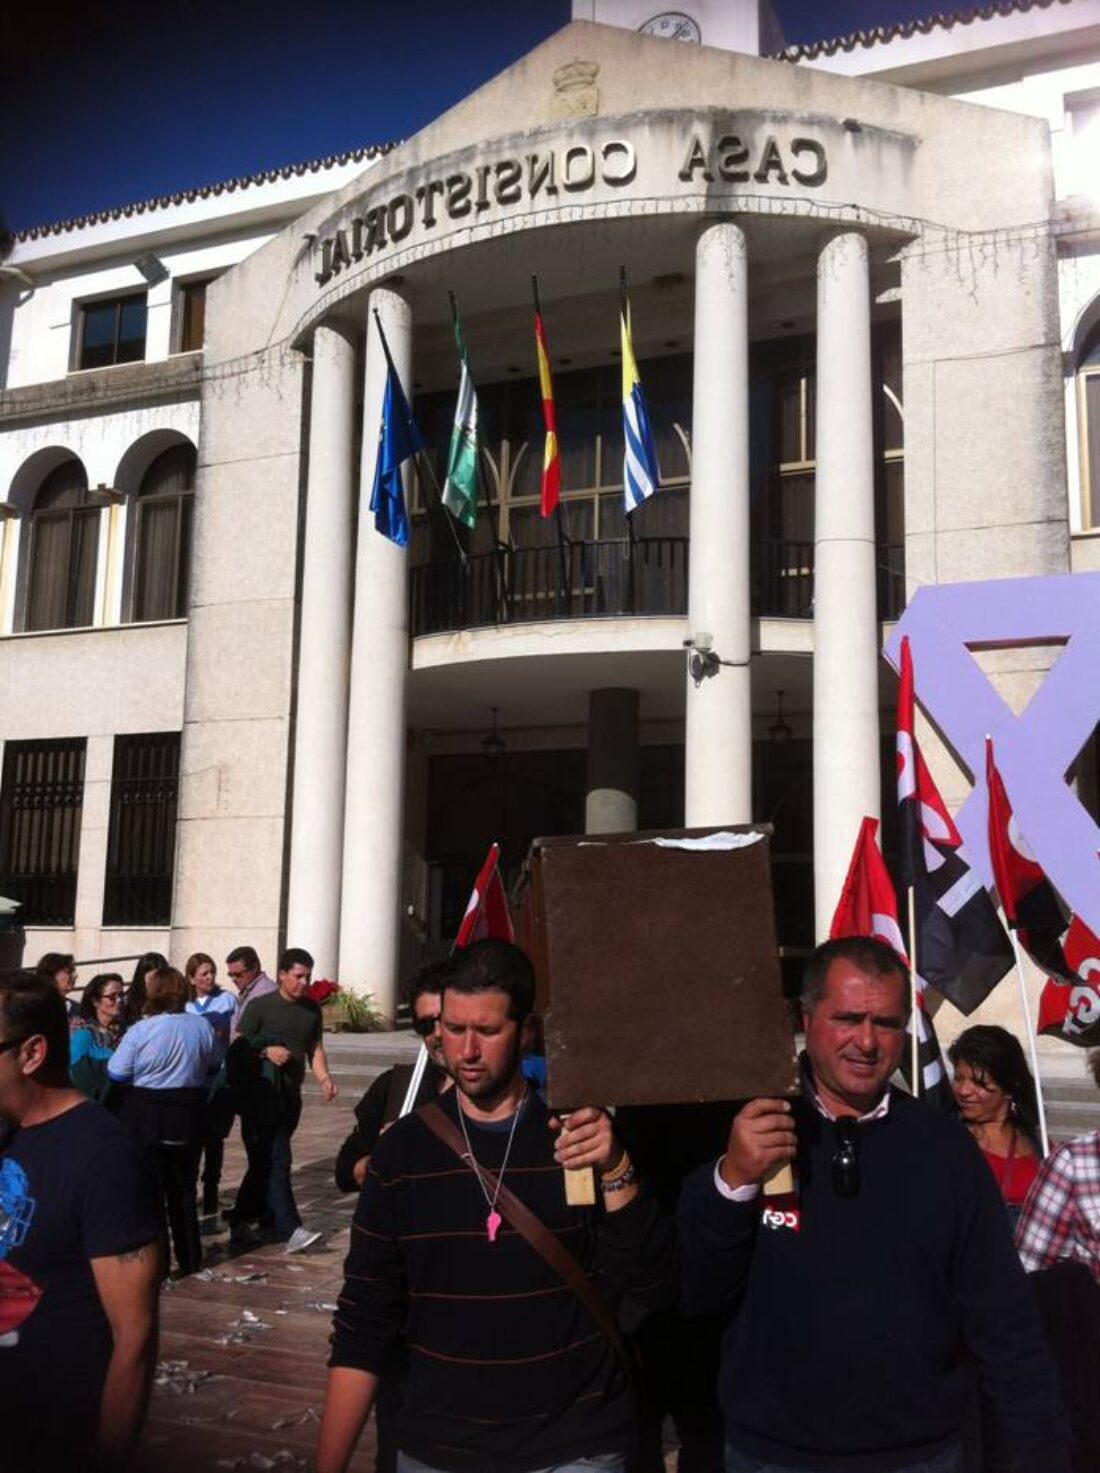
(1061, 1217)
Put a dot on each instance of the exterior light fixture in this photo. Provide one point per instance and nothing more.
(780, 730)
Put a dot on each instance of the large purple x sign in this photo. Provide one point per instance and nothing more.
(1033, 750)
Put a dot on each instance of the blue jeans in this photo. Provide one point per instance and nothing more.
(948, 1461)
(600, 1463)
(267, 1126)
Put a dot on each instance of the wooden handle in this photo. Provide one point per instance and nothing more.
(779, 1181)
(580, 1186)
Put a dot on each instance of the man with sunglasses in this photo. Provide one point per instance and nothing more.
(381, 1104)
(80, 1262)
(857, 1303)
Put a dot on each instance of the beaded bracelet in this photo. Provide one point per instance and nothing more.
(620, 1179)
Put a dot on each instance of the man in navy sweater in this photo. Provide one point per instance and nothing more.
(855, 1305)
(507, 1370)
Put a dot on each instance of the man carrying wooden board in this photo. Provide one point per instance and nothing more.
(855, 1302)
(463, 1244)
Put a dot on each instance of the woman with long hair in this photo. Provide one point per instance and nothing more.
(219, 1008)
(168, 1059)
(94, 1040)
(996, 1097)
(150, 961)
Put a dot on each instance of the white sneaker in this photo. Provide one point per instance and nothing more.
(301, 1239)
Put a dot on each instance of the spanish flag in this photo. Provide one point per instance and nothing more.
(551, 459)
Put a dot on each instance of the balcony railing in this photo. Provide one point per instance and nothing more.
(614, 579)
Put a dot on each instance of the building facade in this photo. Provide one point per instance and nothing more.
(866, 293)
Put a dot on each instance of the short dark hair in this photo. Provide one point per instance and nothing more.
(495, 966)
(295, 956)
(247, 957)
(30, 1004)
(54, 962)
(94, 991)
(431, 977)
(869, 953)
(994, 1053)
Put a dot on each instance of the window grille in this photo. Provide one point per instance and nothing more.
(141, 842)
(41, 801)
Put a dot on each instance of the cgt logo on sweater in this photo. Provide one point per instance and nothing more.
(776, 1218)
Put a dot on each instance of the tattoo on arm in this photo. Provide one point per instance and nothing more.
(136, 1255)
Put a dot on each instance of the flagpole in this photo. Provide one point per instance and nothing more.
(1031, 1044)
(419, 457)
(914, 1039)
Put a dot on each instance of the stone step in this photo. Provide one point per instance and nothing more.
(1070, 1091)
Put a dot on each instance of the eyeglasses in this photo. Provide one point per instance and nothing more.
(110, 997)
(10, 1043)
(237, 975)
(846, 1156)
(422, 1027)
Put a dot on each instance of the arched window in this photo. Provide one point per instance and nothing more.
(1088, 419)
(162, 539)
(64, 541)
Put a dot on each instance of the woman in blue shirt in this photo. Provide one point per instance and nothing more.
(97, 1035)
(219, 1008)
(168, 1059)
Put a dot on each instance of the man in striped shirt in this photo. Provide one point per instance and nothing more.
(507, 1371)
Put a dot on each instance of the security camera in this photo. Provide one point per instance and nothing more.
(701, 641)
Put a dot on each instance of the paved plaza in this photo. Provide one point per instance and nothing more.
(243, 1345)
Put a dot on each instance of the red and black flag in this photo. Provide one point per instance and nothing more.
(868, 906)
(1030, 902)
(960, 944)
(1071, 1010)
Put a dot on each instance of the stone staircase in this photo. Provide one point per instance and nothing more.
(357, 1059)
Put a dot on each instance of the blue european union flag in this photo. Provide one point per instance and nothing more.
(398, 439)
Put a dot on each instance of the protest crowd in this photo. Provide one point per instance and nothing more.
(866, 1267)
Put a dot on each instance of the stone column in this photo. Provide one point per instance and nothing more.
(373, 805)
(611, 787)
(324, 648)
(718, 727)
(846, 631)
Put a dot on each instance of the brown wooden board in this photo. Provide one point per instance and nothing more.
(658, 970)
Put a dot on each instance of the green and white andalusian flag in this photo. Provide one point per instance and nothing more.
(460, 487)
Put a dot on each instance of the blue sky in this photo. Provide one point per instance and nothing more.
(111, 101)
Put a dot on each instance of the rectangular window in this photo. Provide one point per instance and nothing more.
(191, 315)
(41, 802)
(112, 332)
(141, 842)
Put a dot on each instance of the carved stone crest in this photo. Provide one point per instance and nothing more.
(575, 92)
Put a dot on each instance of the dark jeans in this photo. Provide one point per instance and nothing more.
(949, 1461)
(679, 1378)
(219, 1122)
(267, 1125)
(177, 1169)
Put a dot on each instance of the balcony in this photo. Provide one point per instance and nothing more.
(617, 578)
